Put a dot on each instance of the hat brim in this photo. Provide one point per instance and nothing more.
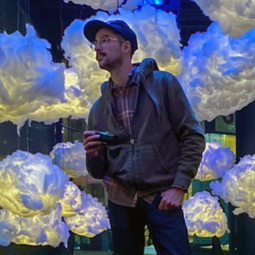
(92, 27)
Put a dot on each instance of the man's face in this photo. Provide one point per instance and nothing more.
(109, 55)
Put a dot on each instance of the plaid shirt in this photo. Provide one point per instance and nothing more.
(125, 100)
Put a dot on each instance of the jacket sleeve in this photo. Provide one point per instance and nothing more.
(97, 167)
(188, 132)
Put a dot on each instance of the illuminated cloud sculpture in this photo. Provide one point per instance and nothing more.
(71, 202)
(219, 73)
(91, 220)
(28, 78)
(30, 184)
(237, 186)
(108, 5)
(204, 216)
(153, 27)
(35, 194)
(70, 157)
(32, 87)
(7, 227)
(234, 16)
(216, 161)
(76, 103)
(38, 230)
(82, 60)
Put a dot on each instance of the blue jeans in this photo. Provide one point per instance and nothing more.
(167, 229)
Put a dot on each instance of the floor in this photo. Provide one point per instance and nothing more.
(148, 251)
(151, 251)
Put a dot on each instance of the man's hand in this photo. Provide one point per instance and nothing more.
(80, 181)
(171, 199)
(90, 144)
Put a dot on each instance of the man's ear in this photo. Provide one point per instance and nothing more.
(127, 47)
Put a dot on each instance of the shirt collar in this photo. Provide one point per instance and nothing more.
(131, 80)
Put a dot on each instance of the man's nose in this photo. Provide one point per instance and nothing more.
(98, 47)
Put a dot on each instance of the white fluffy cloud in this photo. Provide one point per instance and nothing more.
(38, 230)
(30, 184)
(76, 103)
(27, 76)
(219, 73)
(35, 194)
(153, 28)
(216, 161)
(34, 88)
(108, 5)
(204, 216)
(234, 16)
(91, 220)
(71, 158)
(237, 186)
(71, 202)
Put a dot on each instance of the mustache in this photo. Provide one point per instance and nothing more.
(100, 54)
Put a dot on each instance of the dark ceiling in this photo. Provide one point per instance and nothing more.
(51, 17)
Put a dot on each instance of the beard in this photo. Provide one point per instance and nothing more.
(109, 63)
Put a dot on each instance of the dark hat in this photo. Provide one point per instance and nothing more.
(121, 27)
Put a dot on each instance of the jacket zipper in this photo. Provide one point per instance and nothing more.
(132, 142)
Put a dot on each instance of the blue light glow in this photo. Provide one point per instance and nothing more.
(153, 2)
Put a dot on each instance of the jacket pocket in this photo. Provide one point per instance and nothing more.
(120, 162)
(150, 169)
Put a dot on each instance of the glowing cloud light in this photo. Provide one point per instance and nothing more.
(76, 103)
(91, 220)
(35, 194)
(107, 5)
(71, 158)
(32, 87)
(216, 161)
(38, 230)
(237, 186)
(30, 184)
(204, 216)
(71, 202)
(153, 27)
(234, 16)
(27, 76)
(219, 73)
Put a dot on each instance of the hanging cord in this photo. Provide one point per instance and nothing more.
(18, 136)
(61, 19)
(23, 13)
(27, 11)
(3, 17)
(71, 128)
(18, 14)
(28, 147)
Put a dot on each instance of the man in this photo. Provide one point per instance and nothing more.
(149, 169)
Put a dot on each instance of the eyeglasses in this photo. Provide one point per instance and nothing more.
(103, 41)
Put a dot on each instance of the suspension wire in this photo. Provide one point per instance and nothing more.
(28, 147)
(18, 14)
(18, 137)
(3, 16)
(72, 129)
(28, 11)
(61, 19)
